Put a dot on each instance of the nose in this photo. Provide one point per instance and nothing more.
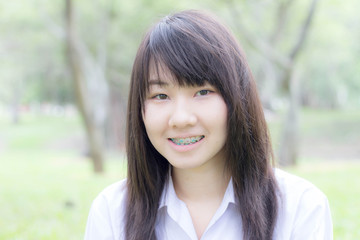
(183, 115)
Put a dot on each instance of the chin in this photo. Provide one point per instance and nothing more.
(186, 166)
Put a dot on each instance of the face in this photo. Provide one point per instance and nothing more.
(186, 125)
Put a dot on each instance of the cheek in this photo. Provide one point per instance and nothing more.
(153, 120)
(220, 121)
(216, 113)
(223, 119)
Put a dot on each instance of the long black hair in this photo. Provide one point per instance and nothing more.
(196, 49)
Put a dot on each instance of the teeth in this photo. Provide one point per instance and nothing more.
(186, 141)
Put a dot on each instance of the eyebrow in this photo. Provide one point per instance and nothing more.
(158, 82)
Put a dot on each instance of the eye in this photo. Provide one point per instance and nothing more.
(160, 97)
(203, 92)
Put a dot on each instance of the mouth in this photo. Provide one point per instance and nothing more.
(186, 141)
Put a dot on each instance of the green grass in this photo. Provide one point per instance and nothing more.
(340, 181)
(46, 190)
(47, 184)
(48, 197)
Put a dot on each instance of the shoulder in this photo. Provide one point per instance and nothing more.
(303, 208)
(106, 217)
(113, 192)
(294, 185)
(112, 197)
(295, 190)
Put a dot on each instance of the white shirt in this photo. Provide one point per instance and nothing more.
(303, 214)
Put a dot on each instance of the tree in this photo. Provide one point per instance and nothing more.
(91, 88)
(286, 74)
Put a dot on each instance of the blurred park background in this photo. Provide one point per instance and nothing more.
(64, 73)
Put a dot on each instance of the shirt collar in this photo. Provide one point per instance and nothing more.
(169, 197)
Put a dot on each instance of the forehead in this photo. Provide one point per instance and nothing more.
(159, 72)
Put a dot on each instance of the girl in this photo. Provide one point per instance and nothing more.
(198, 149)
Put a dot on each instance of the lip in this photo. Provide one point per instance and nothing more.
(185, 148)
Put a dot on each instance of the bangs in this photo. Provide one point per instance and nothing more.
(182, 50)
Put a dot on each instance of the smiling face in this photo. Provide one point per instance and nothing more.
(186, 124)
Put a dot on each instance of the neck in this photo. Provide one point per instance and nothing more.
(200, 184)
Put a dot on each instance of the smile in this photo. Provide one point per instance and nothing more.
(186, 141)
